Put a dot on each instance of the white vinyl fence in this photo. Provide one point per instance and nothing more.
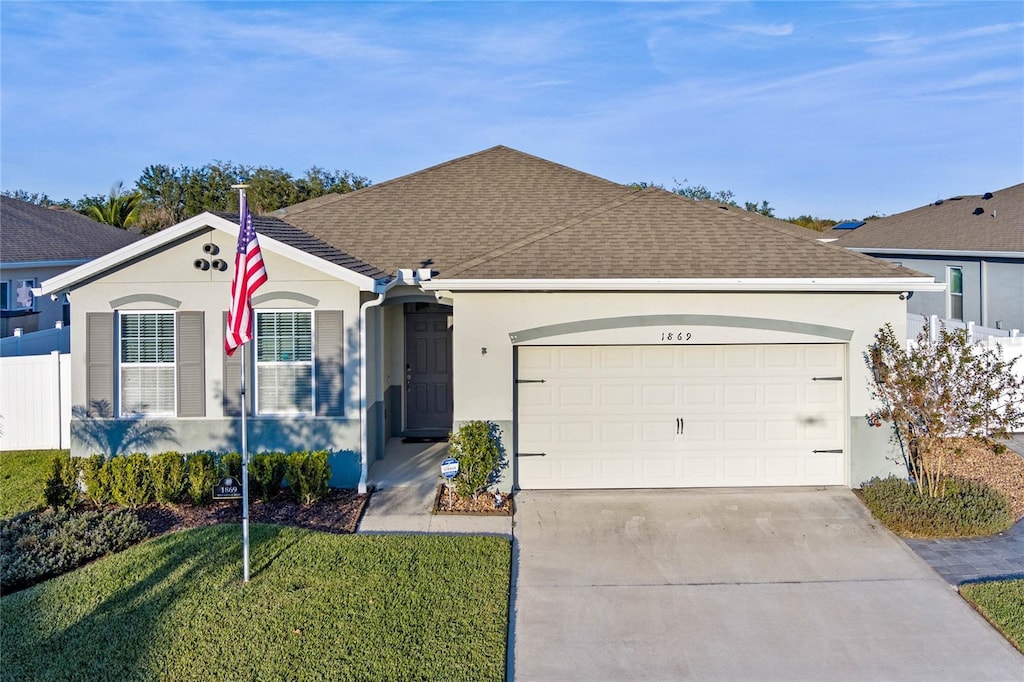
(35, 402)
(37, 343)
(916, 324)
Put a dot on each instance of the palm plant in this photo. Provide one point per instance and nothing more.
(121, 209)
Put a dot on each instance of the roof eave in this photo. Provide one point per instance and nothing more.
(850, 284)
(940, 253)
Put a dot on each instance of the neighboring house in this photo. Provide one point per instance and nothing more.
(37, 243)
(974, 244)
(619, 337)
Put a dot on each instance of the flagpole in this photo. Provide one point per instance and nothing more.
(243, 208)
(245, 480)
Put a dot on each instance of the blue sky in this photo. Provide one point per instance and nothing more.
(834, 109)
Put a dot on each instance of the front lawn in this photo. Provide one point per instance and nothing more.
(319, 606)
(23, 475)
(1002, 602)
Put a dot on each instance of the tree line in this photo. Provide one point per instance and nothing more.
(165, 195)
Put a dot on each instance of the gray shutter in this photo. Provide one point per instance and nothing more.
(330, 363)
(231, 393)
(190, 354)
(99, 361)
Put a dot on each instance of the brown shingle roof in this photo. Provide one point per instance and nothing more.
(293, 236)
(954, 224)
(32, 233)
(454, 211)
(501, 213)
(657, 234)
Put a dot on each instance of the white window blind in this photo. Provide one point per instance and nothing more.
(146, 353)
(284, 362)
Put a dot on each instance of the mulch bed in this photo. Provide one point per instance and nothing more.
(483, 505)
(339, 511)
(1003, 470)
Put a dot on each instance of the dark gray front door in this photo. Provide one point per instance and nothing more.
(428, 374)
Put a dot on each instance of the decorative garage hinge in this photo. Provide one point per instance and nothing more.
(831, 452)
(531, 454)
(531, 381)
(827, 379)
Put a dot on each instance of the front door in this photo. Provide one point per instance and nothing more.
(428, 374)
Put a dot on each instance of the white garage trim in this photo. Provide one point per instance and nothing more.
(680, 416)
(632, 321)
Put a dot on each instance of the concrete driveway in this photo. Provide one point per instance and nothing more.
(764, 584)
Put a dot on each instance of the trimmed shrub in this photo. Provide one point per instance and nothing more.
(131, 482)
(308, 474)
(96, 476)
(61, 491)
(477, 446)
(168, 473)
(202, 475)
(267, 471)
(230, 464)
(968, 508)
(34, 547)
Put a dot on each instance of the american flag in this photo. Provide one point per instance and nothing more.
(250, 274)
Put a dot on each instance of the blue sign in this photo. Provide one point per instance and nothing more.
(450, 468)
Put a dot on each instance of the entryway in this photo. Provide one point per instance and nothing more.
(428, 370)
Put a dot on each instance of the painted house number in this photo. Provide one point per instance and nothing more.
(676, 336)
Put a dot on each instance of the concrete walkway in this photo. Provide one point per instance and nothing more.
(770, 584)
(405, 484)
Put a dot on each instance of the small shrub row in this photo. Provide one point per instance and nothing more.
(36, 546)
(134, 480)
(968, 508)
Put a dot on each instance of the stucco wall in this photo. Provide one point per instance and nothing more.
(484, 351)
(167, 280)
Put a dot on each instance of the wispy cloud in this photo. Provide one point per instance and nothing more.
(772, 30)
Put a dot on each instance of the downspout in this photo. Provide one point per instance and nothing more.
(404, 276)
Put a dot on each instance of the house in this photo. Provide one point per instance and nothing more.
(37, 243)
(972, 243)
(620, 337)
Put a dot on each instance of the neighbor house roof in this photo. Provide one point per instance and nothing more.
(503, 214)
(993, 221)
(30, 233)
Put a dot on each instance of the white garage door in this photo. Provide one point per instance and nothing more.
(680, 416)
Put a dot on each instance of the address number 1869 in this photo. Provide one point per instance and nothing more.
(676, 336)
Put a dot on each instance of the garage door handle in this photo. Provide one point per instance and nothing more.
(531, 454)
(827, 379)
(680, 425)
(831, 452)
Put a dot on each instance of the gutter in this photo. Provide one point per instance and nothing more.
(850, 284)
(404, 277)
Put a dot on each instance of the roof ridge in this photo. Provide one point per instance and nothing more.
(631, 195)
(318, 202)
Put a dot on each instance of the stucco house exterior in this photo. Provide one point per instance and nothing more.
(37, 243)
(972, 243)
(620, 337)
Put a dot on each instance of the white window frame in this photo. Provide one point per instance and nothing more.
(950, 294)
(122, 365)
(260, 365)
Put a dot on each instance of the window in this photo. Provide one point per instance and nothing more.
(284, 362)
(955, 277)
(19, 295)
(5, 295)
(147, 369)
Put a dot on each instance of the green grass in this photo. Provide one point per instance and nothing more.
(1002, 602)
(319, 606)
(23, 475)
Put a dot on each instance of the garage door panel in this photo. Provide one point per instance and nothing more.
(668, 416)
